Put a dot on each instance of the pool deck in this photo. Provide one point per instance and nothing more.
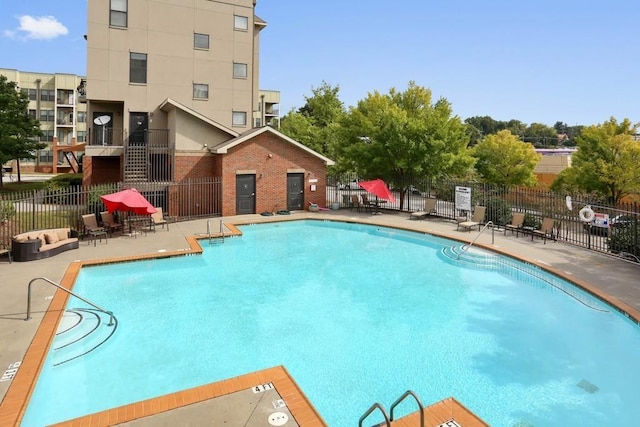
(233, 403)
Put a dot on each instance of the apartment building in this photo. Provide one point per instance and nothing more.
(53, 101)
(172, 94)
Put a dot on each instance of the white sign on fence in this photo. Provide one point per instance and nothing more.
(463, 198)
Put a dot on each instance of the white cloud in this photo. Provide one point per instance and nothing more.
(41, 28)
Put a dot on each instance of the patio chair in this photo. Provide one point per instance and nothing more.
(366, 204)
(91, 223)
(546, 230)
(159, 218)
(476, 219)
(5, 249)
(355, 202)
(109, 222)
(517, 222)
(428, 210)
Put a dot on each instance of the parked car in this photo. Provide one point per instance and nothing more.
(351, 185)
(617, 222)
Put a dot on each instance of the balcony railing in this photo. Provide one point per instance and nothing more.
(105, 136)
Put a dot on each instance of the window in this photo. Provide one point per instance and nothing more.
(47, 95)
(47, 135)
(31, 94)
(81, 136)
(137, 67)
(239, 118)
(32, 114)
(201, 41)
(240, 23)
(46, 115)
(200, 91)
(258, 123)
(239, 70)
(82, 116)
(118, 13)
(46, 156)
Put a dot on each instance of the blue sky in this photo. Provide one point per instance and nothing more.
(532, 60)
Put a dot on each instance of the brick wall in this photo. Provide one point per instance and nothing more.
(195, 166)
(271, 157)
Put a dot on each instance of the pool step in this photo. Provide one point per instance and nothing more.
(472, 258)
(81, 331)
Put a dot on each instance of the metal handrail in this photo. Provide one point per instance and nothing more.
(370, 410)
(401, 398)
(466, 248)
(67, 291)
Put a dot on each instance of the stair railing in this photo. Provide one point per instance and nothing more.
(465, 248)
(67, 291)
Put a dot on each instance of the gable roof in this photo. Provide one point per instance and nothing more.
(171, 104)
(224, 147)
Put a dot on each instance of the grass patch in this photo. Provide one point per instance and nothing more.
(16, 187)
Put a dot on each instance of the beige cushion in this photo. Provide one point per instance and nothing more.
(51, 237)
(63, 234)
(42, 238)
(33, 236)
(20, 238)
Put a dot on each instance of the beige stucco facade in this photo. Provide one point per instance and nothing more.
(165, 31)
(54, 102)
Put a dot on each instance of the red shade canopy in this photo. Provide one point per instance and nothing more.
(379, 188)
(129, 200)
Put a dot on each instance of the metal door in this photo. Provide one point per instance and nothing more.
(295, 191)
(138, 126)
(245, 194)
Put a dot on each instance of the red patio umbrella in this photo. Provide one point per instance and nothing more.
(129, 200)
(378, 188)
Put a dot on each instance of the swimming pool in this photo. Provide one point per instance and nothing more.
(358, 314)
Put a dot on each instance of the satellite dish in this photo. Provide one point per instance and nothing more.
(102, 120)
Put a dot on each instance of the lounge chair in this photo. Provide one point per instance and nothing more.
(159, 218)
(476, 219)
(546, 230)
(517, 222)
(429, 209)
(109, 222)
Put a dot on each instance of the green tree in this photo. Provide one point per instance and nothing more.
(316, 124)
(606, 162)
(540, 135)
(404, 134)
(18, 131)
(503, 159)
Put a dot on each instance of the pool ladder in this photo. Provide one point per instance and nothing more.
(221, 231)
(387, 418)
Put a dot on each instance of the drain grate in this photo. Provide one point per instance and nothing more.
(587, 386)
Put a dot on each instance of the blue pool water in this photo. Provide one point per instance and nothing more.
(357, 314)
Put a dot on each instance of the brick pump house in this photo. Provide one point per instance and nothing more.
(171, 103)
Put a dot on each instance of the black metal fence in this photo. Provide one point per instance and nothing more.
(55, 208)
(615, 229)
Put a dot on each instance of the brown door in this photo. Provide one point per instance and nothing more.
(245, 194)
(295, 191)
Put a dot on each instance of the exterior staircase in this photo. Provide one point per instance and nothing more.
(136, 163)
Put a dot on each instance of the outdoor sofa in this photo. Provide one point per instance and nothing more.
(39, 244)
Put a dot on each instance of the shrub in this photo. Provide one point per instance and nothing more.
(7, 211)
(531, 221)
(65, 180)
(625, 239)
(498, 211)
